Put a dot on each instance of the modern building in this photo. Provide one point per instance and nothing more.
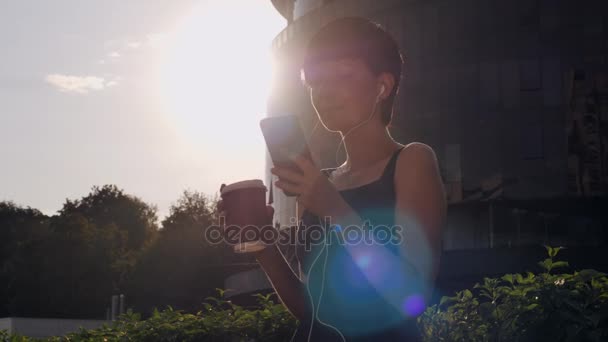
(513, 98)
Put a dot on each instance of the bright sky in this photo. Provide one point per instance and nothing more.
(153, 96)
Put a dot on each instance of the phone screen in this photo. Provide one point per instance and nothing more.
(284, 138)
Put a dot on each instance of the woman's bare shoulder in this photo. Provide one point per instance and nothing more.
(417, 150)
(416, 145)
(416, 157)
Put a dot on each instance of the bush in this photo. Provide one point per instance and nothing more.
(220, 321)
(524, 307)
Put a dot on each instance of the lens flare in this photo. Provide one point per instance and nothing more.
(363, 261)
(413, 305)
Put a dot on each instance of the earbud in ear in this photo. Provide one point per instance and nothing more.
(381, 90)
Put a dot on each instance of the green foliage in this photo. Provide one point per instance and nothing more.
(221, 320)
(525, 307)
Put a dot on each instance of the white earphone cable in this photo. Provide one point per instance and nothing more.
(315, 308)
(361, 123)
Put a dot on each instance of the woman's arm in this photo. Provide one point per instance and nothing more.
(290, 289)
(420, 208)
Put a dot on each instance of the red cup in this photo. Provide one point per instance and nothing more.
(245, 202)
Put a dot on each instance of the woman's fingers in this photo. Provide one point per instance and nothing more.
(292, 188)
(287, 174)
(304, 164)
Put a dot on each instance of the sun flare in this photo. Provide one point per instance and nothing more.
(216, 77)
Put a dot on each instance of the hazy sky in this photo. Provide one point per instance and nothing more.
(153, 96)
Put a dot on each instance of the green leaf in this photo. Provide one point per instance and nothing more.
(220, 292)
(508, 278)
(557, 264)
(556, 250)
(546, 264)
(531, 307)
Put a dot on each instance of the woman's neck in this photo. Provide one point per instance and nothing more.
(366, 146)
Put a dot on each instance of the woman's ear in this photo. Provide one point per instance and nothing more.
(387, 82)
(380, 92)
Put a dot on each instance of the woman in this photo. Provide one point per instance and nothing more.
(347, 289)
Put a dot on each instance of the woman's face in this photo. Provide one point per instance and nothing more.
(343, 92)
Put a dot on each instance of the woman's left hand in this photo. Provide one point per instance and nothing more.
(313, 189)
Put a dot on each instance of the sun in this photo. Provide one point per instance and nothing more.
(216, 76)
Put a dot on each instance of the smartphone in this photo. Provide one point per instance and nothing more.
(284, 138)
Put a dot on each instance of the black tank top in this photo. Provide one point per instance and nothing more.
(350, 303)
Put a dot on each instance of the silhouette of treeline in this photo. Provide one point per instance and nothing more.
(109, 242)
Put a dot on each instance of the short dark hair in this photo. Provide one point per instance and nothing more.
(359, 38)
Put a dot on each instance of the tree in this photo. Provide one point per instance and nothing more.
(20, 228)
(109, 205)
(69, 265)
(181, 268)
